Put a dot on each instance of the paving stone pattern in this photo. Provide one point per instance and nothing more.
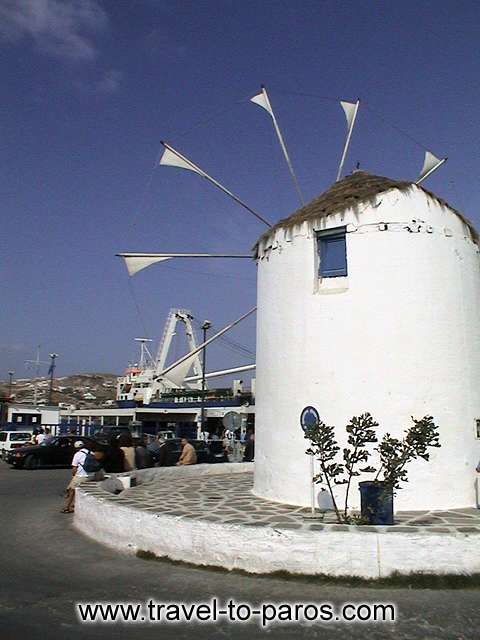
(228, 499)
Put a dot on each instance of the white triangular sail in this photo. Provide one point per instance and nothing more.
(263, 101)
(351, 110)
(430, 164)
(178, 374)
(175, 159)
(135, 262)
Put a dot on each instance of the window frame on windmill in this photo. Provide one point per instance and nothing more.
(332, 252)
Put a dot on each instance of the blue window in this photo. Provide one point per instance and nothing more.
(332, 252)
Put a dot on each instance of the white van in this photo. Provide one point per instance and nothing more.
(13, 440)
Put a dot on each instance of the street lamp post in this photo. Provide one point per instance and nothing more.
(205, 327)
(50, 371)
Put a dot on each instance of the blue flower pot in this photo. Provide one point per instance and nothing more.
(376, 500)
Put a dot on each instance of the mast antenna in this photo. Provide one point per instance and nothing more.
(35, 365)
(145, 355)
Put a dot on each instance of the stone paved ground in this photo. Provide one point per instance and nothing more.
(228, 499)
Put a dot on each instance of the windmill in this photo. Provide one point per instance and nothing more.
(172, 157)
(375, 284)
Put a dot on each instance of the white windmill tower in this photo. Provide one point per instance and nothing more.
(367, 301)
(371, 297)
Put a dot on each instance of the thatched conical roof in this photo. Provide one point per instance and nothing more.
(359, 187)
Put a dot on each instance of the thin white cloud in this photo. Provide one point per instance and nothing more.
(60, 28)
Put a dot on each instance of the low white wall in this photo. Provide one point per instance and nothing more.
(143, 476)
(263, 549)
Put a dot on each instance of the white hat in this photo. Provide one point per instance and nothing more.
(78, 444)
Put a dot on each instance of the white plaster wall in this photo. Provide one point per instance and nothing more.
(265, 549)
(398, 337)
(48, 415)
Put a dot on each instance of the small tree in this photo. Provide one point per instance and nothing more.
(361, 431)
(325, 448)
(396, 454)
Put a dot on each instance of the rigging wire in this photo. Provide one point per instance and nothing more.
(307, 95)
(211, 118)
(137, 307)
(236, 344)
(139, 209)
(394, 126)
(231, 344)
(364, 105)
(244, 352)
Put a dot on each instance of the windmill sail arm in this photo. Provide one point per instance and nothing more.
(350, 109)
(174, 158)
(135, 262)
(430, 164)
(223, 372)
(263, 100)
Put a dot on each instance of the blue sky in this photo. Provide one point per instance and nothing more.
(91, 87)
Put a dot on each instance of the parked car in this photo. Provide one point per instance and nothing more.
(13, 440)
(106, 433)
(57, 453)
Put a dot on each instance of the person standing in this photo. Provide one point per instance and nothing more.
(249, 454)
(126, 445)
(188, 455)
(48, 436)
(114, 457)
(159, 451)
(143, 457)
(80, 474)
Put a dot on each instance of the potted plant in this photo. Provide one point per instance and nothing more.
(394, 456)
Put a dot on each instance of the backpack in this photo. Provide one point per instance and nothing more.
(91, 464)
